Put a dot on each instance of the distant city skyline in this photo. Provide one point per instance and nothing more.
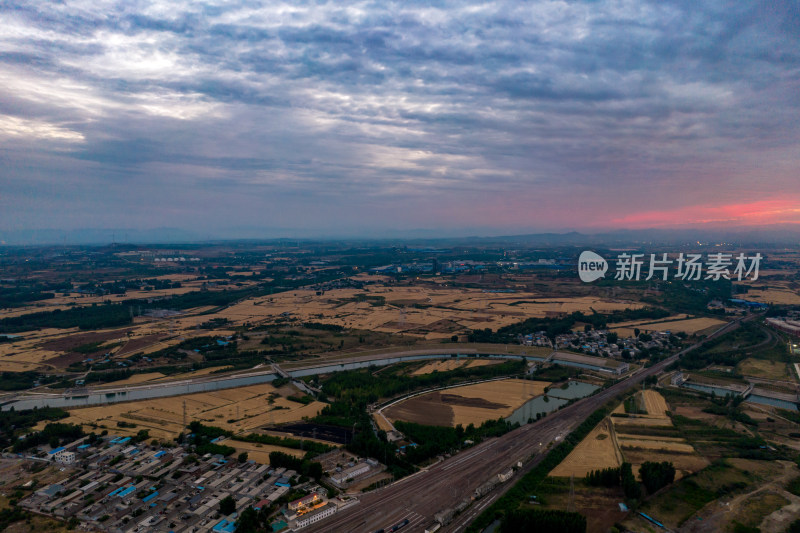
(347, 119)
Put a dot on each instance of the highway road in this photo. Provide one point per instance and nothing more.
(420, 496)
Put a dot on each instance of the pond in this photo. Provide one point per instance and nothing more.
(553, 400)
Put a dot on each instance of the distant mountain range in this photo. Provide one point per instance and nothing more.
(785, 235)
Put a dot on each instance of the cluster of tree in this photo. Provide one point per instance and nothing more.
(89, 317)
(366, 444)
(605, 477)
(210, 432)
(22, 380)
(160, 284)
(305, 399)
(656, 475)
(702, 357)
(227, 505)
(19, 296)
(361, 386)
(323, 327)
(712, 352)
(310, 446)
(630, 486)
(730, 406)
(691, 296)
(12, 421)
(303, 466)
(543, 521)
(11, 515)
(202, 436)
(556, 372)
(252, 521)
(53, 434)
(435, 440)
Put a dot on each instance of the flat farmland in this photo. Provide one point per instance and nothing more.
(470, 404)
(240, 410)
(194, 373)
(26, 352)
(598, 450)
(763, 368)
(451, 364)
(688, 326)
(139, 378)
(637, 446)
(427, 312)
(781, 296)
(622, 437)
(654, 404)
(660, 443)
(439, 366)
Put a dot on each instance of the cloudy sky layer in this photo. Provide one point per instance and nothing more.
(355, 118)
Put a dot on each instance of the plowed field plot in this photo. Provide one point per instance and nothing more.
(316, 431)
(471, 404)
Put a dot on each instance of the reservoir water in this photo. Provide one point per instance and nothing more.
(554, 399)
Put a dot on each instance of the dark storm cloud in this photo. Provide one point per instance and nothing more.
(334, 109)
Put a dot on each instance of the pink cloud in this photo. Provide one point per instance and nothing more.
(781, 210)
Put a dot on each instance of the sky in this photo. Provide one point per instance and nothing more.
(369, 118)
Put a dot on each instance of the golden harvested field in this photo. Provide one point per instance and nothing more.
(641, 420)
(139, 378)
(466, 308)
(239, 410)
(689, 326)
(598, 450)
(774, 296)
(439, 366)
(632, 447)
(684, 463)
(194, 374)
(260, 452)
(444, 311)
(451, 364)
(656, 408)
(382, 422)
(639, 448)
(481, 362)
(627, 441)
(654, 404)
(471, 404)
